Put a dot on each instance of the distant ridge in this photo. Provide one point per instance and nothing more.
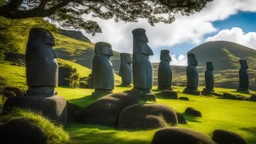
(223, 54)
(75, 35)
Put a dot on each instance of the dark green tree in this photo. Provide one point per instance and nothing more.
(69, 13)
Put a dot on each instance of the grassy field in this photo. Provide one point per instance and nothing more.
(236, 116)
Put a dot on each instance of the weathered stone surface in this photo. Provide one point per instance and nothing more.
(209, 79)
(165, 71)
(41, 63)
(142, 68)
(181, 118)
(192, 76)
(253, 98)
(105, 111)
(193, 112)
(146, 116)
(184, 98)
(180, 136)
(125, 70)
(233, 97)
(169, 94)
(243, 76)
(227, 137)
(21, 131)
(102, 71)
(52, 107)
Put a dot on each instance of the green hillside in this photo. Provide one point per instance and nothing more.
(13, 39)
(225, 57)
(224, 54)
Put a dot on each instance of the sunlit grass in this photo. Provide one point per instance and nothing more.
(237, 116)
(54, 134)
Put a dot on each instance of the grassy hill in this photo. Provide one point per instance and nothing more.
(225, 57)
(13, 39)
(70, 45)
(224, 54)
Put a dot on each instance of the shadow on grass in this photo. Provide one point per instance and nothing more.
(251, 130)
(241, 92)
(86, 100)
(94, 134)
(191, 118)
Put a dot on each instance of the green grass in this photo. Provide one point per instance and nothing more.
(15, 75)
(236, 116)
(55, 134)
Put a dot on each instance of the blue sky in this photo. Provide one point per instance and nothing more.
(244, 20)
(230, 20)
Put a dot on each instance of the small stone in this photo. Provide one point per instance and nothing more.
(180, 136)
(227, 137)
(192, 111)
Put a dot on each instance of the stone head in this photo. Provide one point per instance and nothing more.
(140, 35)
(103, 48)
(42, 36)
(165, 56)
(243, 64)
(125, 58)
(140, 41)
(209, 66)
(192, 59)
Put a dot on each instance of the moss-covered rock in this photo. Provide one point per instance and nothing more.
(147, 116)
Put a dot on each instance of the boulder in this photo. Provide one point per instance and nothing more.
(169, 94)
(21, 131)
(52, 107)
(227, 137)
(193, 112)
(180, 136)
(146, 116)
(105, 111)
(181, 118)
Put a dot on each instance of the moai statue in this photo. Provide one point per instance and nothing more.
(41, 63)
(164, 71)
(243, 76)
(142, 68)
(209, 79)
(125, 70)
(192, 76)
(102, 71)
(42, 78)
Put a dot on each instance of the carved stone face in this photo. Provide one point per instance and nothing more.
(243, 64)
(126, 58)
(165, 55)
(42, 35)
(192, 59)
(140, 41)
(209, 66)
(103, 48)
(140, 34)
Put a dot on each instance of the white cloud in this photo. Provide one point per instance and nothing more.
(236, 35)
(185, 29)
(181, 60)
